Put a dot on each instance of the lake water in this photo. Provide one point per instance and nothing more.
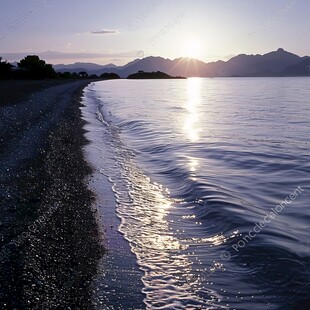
(191, 178)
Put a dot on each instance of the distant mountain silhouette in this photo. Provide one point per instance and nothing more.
(82, 66)
(257, 65)
(301, 69)
(148, 64)
(276, 63)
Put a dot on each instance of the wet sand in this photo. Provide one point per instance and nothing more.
(49, 238)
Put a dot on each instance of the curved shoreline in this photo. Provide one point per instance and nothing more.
(50, 239)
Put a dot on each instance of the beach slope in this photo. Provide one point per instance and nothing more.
(49, 238)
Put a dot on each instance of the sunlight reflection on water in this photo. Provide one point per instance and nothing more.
(192, 119)
(226, 156)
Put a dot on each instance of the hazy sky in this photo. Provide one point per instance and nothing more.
(104, 31)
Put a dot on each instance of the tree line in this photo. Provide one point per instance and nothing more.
(34, 68)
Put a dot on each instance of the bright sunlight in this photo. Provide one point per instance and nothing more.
(192, 49)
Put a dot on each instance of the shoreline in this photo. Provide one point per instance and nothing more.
(111, 288)
(51, 239)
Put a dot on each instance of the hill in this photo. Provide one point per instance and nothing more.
(275, 63)
(82, 66)
(152, 75)
(301, 69)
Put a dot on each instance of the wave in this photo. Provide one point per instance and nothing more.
(187, 207)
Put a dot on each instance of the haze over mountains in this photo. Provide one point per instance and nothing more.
(276, 63)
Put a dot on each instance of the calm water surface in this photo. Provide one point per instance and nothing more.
(193, 167)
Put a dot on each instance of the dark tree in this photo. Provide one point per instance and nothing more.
(5, 69)
(65, 75)
(74, 75)
(109, 76)
(83, 74)
(35, 68)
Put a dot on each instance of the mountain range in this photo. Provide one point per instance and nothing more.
(276, 63)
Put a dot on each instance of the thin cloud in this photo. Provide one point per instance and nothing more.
(104, 31)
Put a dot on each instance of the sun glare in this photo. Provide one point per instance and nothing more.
(192, 49)
(192, 118)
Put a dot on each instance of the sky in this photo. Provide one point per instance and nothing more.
(118, 31)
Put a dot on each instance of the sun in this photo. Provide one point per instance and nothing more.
(192, 49)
